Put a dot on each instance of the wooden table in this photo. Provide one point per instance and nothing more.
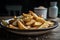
(53, 35)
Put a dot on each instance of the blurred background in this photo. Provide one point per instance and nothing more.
(8, 7)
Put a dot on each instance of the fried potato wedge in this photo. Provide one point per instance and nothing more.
(45, 25)
(30, 23)
(50, 23)
(27, 19)
(40, 20)
(21, 25)
(37, 24)
(25, 14)
(13, 27)
(33, 14)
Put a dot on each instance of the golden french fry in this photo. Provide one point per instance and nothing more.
(25, 14)
(45, 25)
(15, 17)
(37, 24)
(50, 23)
(40, 20)
(31, 17)
(27, 19)
(37, 18)
(33, 14)
(11, 26)
(21, 26)
(30, 23)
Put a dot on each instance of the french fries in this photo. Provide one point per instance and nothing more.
(15, 17)
(25, 14)
(36, 17)
(13, 27)
(33, 14)
(40, 20)
(27, 17)
(28, 21)
(37, 24)
(21, 26)
(45, 25)
(50, 23)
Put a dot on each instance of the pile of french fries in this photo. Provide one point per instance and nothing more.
(29, 21)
